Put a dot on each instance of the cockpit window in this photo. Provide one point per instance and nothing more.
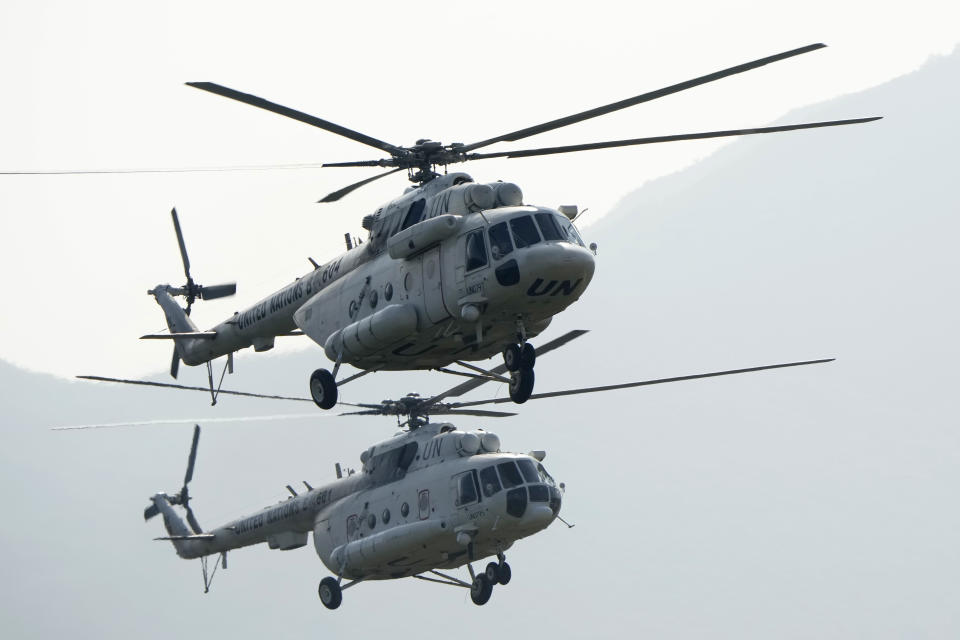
(476, 250)
(548, 227)
(569, 231)
(529, 470)
(500, 240)
(466, 489)
(546, 477)
(510, 474)
(524, 232)
(489, 481)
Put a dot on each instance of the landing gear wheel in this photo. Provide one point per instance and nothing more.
(492, 572)
(512, 357)
(323, 389)
(528, 356)
(503, 573)
(481, 589)
(521, 385)
(330, 594)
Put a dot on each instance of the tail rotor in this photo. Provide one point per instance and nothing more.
(191, 290)
(182, 498)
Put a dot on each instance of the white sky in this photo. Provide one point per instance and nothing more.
(100, 85)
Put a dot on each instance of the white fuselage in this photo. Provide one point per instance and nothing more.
(448, 507)
(438, 280)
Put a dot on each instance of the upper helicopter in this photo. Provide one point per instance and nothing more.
(453, 271)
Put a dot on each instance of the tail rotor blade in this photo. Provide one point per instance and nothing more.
(175, 363)
(183, 247)
(193, 456)
(218, 291)
(193, 521)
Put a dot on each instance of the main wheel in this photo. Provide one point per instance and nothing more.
(492, 572)
(330, 594)
(528, 356)
(512, 357)
(521, 385)
(481, 589)
(323, 389)
(503, 573)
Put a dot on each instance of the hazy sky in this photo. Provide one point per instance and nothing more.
(100, 85)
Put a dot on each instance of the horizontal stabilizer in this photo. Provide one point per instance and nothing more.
(182, 334)
(198, 536)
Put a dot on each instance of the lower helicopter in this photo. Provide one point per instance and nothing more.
(431, 499)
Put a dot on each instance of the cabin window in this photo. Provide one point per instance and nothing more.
(388, 292)
(524, 232)
(404, 509)
(372, 521)
(500, 240)
(489, 481)
(548, 227)
(385, 516)
(413, 214)
(373, 299)
(476, 250)
(529, 470)
(466, 489)
(509, 474)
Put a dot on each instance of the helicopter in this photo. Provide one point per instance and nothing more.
(452, 272)
(430, 499)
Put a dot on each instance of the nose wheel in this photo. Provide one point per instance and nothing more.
(519, 360)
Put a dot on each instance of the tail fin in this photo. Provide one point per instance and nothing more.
(177, 319)
(177, 322)
(173, 523)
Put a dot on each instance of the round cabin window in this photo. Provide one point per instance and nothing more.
(388, 292)
(385, 516)
(404, 509)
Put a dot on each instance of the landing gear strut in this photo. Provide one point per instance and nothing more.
(481, 584)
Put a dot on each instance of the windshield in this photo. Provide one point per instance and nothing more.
(524, 232)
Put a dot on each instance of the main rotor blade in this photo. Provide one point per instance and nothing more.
(336, 195)
(296, 115)
(473, 383)
(193, 456)
(252, 167)
(183, 247)
(476, 412)
(178, 421)
(150, 383)
(218, 291)
(627, 385)
(643, 97)
(525, 153)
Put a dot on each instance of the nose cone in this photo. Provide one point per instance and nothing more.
(538, 517)
(560, 261)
